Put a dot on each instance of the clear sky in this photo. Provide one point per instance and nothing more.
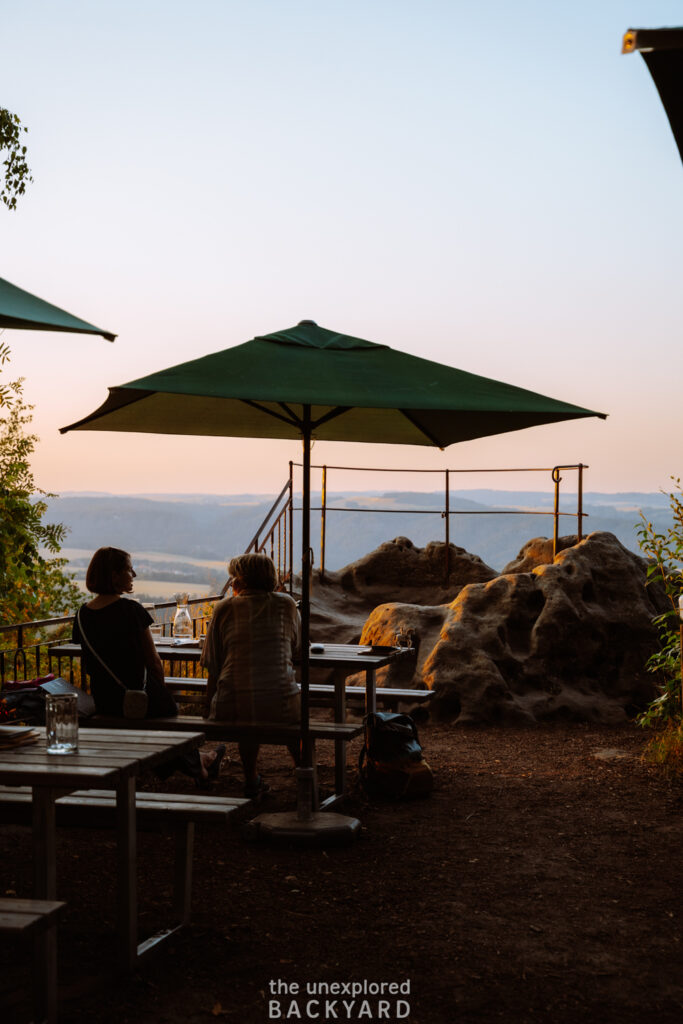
(488, 184)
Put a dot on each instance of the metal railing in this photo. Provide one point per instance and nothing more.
(275, 535)
(446, 512)
(30, 655)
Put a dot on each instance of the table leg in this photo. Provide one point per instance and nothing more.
(44, 844)
(45, 888)
(45, 973)
(339, 677)
(126, 839)
(370, 690)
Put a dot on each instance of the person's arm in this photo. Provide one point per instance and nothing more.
(212, 657)
(210, 691)
(296, 635)
(151, 658)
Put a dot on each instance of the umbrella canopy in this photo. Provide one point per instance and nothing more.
(22, 311)
(308, 382)
(356, 391)
(662, 51)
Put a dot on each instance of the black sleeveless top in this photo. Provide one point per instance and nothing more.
(115, 632)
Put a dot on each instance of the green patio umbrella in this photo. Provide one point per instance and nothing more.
(310, 383)
(22, 311)
(662, 51)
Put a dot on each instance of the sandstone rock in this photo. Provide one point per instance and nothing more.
(538, 551)
(395, 571)
(398, 567)
(568, 638)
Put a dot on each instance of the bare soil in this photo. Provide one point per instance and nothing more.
(541, 881)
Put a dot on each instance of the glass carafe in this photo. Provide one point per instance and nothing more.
(182, 620)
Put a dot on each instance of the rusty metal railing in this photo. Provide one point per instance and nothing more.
(275, 535)
(28, 654)
(446, 512)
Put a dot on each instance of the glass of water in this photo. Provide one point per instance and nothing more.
(61, 723)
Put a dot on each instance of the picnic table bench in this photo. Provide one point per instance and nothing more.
(177, 813)
(193, 691)
(39, 919)
(267, 733)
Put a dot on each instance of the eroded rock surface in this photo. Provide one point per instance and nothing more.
(395, 571)
(562, 638)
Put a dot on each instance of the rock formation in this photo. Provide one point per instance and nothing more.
(395, 571)
(550, 638)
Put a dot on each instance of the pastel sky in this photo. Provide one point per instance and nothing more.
(491, 185)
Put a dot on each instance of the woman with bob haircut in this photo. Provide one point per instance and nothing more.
(249, 653)
(117, 630)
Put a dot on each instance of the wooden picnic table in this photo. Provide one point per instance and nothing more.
(343, 659)
(106, 759)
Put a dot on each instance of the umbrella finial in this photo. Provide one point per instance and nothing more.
(307, 323)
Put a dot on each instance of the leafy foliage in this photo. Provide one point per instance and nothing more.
(665, 551)
(31, 585)
(7, 390)
(17, 173)
(666, 749)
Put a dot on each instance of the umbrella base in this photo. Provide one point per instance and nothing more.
(286, 826)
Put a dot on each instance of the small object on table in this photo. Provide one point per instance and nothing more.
(317, 648)
(16, 736)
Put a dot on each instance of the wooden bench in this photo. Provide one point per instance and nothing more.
(38, 918)
(177, 813)
(193, 691)
(268, 733)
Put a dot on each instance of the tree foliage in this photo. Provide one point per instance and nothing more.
(32, 586)
(665, 551)
(17, 173)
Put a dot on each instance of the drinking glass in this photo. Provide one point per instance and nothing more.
(61, 723)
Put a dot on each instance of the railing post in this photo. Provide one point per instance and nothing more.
(556, 514)
(579, 506)
(291, 527)
(323, 503)
(279, 547)
(447, 516)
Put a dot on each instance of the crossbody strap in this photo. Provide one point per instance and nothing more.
(96, 655)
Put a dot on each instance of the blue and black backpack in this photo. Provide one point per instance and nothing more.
(391, 764)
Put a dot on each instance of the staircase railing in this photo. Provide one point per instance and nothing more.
(275, 535)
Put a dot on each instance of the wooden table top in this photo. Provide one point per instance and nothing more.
(332, 656)
(103, 756)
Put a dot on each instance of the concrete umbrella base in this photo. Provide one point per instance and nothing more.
(320, 828)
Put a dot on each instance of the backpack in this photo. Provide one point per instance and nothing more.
(391, 764)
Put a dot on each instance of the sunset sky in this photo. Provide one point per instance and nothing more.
(490, 185)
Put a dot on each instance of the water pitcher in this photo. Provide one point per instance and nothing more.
(182, 620)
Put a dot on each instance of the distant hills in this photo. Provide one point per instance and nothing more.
(191, 529)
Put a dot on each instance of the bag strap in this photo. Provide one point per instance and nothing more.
(96, 655)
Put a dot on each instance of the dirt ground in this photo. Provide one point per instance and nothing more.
(541, 881)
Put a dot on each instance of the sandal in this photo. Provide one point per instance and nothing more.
(256, 789)
(215, 766)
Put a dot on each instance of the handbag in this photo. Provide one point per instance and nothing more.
(135, 702)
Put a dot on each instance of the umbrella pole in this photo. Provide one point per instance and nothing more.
(305, 824)
(306, 759)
